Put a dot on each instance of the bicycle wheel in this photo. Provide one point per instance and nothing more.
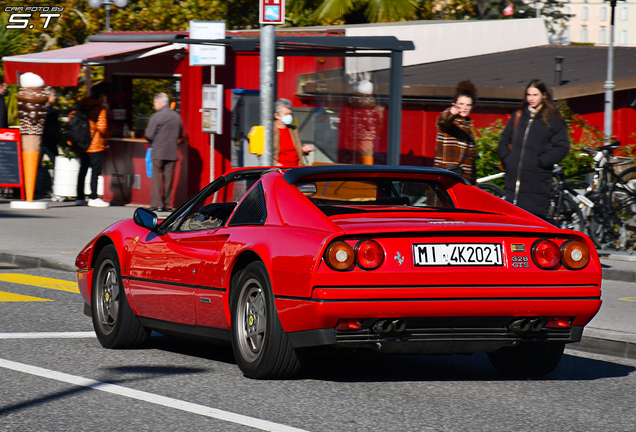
(492, 189)
(622, 199)
(568, 215)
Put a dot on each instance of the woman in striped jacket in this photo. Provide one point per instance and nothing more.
(454, 146)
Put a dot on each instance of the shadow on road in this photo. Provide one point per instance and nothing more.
(372, 367)
(120, 375)
(368, 366)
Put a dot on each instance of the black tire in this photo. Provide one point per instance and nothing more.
(568, 215)
(623, 201)
(492, 189)
(115, 324)
(529, 359)
(260, 344)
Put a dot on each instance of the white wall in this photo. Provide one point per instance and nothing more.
(444, 40)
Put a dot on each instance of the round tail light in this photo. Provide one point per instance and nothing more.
(369, 254)
(574, 254)
(546, 254)
(339, 255)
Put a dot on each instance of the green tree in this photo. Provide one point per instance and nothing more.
(444, 9)
(352, 11)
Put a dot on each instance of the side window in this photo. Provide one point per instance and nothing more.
(212, 210)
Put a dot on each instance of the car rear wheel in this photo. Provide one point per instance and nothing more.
(260, 344)
(530, 359)
(115, 324)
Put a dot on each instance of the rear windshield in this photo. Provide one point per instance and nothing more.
(340, 196)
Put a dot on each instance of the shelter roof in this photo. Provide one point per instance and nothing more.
(504, 75)
(61, 67)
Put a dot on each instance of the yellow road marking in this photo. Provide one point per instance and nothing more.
(42, 282)
(10, 297)
(628, 299)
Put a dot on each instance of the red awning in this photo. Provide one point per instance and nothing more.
(60, 68)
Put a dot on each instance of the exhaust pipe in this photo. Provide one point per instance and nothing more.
(399, 325)
(537, 325)
(383, 327)
(520, 326)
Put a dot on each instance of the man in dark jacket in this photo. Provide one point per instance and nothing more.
(163, 133)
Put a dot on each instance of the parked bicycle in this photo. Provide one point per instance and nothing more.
(491, 188)
(608, 204)
(567, 204)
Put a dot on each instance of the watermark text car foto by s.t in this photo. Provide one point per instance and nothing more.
(21, 16)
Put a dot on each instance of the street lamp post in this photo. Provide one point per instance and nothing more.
(107, 3)
(609, 84)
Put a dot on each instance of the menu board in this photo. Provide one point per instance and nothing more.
(10, 158)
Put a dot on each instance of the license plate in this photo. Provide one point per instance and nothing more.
(457, 254)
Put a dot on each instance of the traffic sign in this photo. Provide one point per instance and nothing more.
(272, 11)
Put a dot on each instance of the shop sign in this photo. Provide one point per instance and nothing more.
(272, 11)
(207, 55)
(212, 108)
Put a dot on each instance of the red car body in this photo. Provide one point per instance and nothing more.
(182, 282)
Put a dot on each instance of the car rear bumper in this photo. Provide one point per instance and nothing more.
(434, 340)
(439, 319)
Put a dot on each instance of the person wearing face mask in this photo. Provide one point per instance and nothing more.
(4, 92)
(455, 146)
(287, 148)
(534, 139)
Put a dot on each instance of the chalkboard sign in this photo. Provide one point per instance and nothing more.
(10, 158)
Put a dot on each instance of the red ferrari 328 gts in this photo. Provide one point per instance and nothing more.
(394, 259)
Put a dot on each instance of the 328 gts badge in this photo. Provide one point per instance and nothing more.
(519, 262)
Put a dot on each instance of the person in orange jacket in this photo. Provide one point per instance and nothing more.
(93, 157)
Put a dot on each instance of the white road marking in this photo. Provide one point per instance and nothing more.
(48, 335)
(149, 397)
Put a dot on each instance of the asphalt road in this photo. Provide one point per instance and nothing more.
(73, 384)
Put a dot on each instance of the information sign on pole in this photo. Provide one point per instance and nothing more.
(272, 11)
(11, 160)
(207, 55)
(212, 108)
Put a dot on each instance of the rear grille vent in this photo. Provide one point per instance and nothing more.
(251, 211)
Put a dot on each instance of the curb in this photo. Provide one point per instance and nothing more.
(23, 261)
(608, 347)
(619, 275)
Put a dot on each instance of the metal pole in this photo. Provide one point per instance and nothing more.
(107, 16)
(609, 84)
(268, 71)
(395, 109)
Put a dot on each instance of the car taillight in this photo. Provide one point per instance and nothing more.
(369, 254)
(559, 323)
(546, 254)
(574, 254)
(349, 325)
(339, 255)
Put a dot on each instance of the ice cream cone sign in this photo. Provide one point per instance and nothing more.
(32, 113)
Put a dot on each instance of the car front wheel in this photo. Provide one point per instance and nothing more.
(530, 359)
(260, 344)
(115, 324)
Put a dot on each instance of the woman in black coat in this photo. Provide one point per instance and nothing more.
(534, 139)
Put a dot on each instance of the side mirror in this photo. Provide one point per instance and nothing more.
(145, 219)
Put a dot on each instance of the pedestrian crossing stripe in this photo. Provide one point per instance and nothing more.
(11, 297)
(39, 281)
